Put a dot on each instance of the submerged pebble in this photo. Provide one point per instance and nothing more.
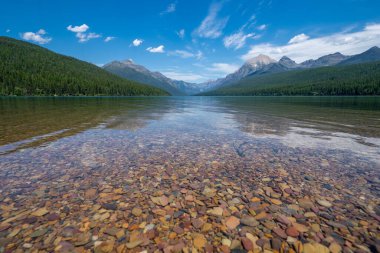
(170, 188)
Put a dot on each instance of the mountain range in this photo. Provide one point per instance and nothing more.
(259, 65)
(28, 69)
(263, 64)
(129, 70)
(361, 79)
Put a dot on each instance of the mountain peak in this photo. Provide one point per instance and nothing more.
(125, 63)
(372, 54)
(261, 59)
(287, 62)
(128, 61)
(285, 58)
(326, 60)
(374, 49)
(335, 54)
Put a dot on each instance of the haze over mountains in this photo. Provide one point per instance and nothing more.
(259, 65)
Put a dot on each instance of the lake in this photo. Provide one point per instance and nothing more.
(177, 173)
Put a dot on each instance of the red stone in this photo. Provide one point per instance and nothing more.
(280, 232)
(197, 223)
(248, 245)
(292, 231)
(225, 249)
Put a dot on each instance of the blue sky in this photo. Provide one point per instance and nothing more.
(194, 40)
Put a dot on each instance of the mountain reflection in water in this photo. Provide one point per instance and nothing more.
(347, 122)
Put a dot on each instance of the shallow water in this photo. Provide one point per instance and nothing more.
(47, 141)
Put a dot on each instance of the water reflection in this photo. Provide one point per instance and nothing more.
(30, 122)
(355, 115)
(342, 123)
(338, 123)
(74, 156)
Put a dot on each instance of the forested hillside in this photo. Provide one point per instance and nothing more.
(27, 69)
(359, 79)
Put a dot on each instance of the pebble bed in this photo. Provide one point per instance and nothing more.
(186, 187)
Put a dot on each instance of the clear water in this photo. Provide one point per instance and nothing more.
(53, 149)
(339, 124)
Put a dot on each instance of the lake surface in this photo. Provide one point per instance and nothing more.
(350, 125)
(314, 160)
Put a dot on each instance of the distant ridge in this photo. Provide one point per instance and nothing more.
(372, 54)
(264, 65)
(287, 62)
(256, 66)
(128, 69)
(324, 61)
(357, 79)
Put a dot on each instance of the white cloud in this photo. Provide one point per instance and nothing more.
(184, 76)
(186, 54)
(223, 68)
(84, 37)
(249, 24)
(137, 42)
(78, 29)
(348, 43)
(81, 33)
(181, 53)
(237, 40)
(181, 33)
(212, 26)
(8, 30)
(109, 38)
(171, 8)
(298, 38)
(262, 27)
(36, 37)
(159, 49)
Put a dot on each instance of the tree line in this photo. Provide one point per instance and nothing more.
(358, 79)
